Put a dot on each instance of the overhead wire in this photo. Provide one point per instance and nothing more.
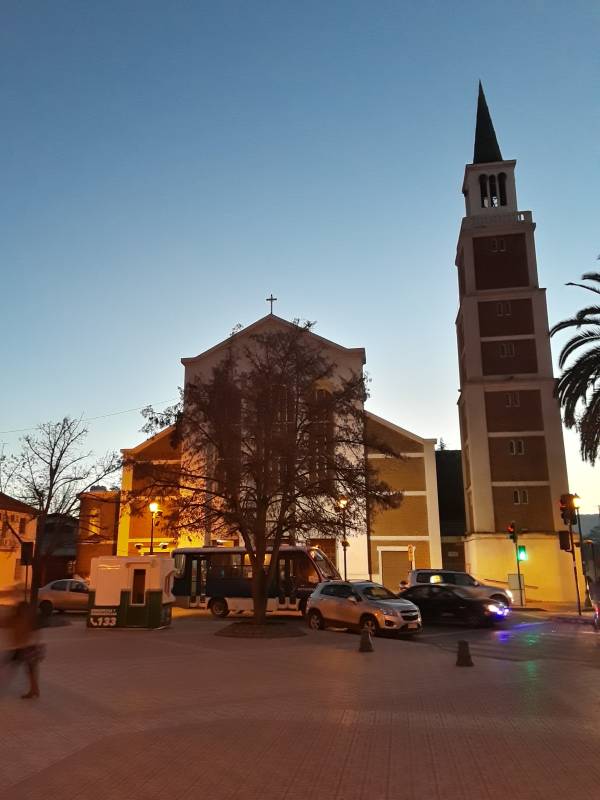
(100, 416)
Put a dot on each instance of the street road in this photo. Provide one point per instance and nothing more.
(524, 637)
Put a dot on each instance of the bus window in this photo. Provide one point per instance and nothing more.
(247, 568)
(304, 570)
(225, 565)
(179, 565)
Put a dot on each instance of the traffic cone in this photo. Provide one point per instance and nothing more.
(463, 655)
(366, 643)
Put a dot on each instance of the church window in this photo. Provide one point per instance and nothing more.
(516, 497)
(321, 438)
(524, 496)
(22, 524)
(502, 188)
(493, 203)
(483, 186)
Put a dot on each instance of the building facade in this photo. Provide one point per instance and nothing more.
(514, 465)
(17, 521)
(391, 542)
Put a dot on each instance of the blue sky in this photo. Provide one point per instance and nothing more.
(165, 166)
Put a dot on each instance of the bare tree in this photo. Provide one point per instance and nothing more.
(49, 473)
(271, 439)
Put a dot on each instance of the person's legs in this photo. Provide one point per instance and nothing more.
(34, 689)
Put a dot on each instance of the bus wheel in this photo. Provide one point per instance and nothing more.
(219, 608)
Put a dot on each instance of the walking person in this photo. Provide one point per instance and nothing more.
(25, 648)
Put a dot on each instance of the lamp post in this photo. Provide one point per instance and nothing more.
(154, 511)
(342, 503)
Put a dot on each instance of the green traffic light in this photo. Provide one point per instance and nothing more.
(522, 553)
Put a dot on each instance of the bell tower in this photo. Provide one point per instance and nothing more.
(513, 454)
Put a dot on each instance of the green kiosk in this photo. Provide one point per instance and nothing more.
(131, 592)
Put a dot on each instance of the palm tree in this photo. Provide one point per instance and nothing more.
(578, 388)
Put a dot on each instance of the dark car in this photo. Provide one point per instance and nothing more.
(442, 603)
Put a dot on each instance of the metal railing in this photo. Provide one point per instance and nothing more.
(495, 217)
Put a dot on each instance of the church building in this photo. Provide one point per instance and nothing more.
(392, 541)
(514, 465)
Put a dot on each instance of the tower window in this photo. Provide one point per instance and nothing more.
(498, 245)
(503, 308)
(516, 447)
(512, 399)
(493, 192)
(502, 188)
(483, 187)
(507, 350)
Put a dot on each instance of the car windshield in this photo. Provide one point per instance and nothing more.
(378, 593)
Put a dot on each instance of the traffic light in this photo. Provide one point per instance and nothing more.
(568, 509)
(512, 531)
(522, 552)
(564, 541)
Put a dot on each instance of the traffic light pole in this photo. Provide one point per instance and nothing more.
(573, 555)
(516, 541)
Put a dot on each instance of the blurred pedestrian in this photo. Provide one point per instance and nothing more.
(24, 644)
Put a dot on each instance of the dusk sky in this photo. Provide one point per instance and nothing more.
(167, 165)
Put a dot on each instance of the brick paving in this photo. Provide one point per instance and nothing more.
(184, 714)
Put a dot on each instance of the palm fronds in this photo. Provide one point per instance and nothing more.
(578, 388)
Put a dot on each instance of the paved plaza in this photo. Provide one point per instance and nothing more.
(182, 714)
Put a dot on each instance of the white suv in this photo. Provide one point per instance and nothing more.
(361, 604)
(454, 578)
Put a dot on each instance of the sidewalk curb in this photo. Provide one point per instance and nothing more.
(573, 620)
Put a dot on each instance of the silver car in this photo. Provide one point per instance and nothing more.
(361, 604)
(455, 578)
(63, 595)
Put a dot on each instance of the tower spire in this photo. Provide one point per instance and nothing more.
(486, 148)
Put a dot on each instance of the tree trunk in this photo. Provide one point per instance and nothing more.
(259, 596)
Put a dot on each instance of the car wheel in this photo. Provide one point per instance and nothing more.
(499, 598)
(219, 608)
(315, 620)
(369, 623)
(302, 606)
(46, 608)
(474, 619)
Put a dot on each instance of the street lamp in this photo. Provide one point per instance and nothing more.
(342, 503)
(154, 508)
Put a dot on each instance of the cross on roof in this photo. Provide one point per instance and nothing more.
(271, 300)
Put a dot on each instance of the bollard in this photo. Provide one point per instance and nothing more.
(463, 655)
(366, 644)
